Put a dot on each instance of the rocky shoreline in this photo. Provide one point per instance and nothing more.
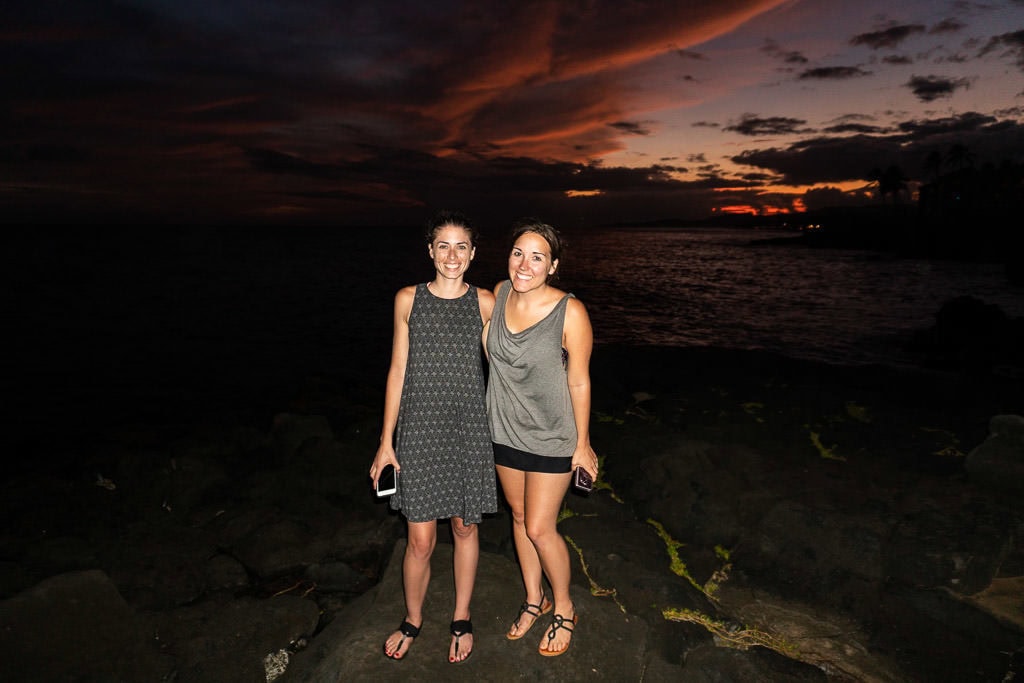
(761, 519)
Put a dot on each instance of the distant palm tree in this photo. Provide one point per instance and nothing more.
(960, 157)
(890, 181)
(933, 164)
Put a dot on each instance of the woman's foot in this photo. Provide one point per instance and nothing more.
(528, 613)
(462, 641)
(559, 635)
(397, 644)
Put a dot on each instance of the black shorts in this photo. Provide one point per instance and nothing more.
(506, 456)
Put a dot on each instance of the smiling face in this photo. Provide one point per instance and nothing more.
(529, 263)
(452, 250)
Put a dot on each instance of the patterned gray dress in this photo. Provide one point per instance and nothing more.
(442, 439)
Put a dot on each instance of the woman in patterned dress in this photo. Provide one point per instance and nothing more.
(539, 342)
(435, 427)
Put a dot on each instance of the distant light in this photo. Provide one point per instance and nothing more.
(583, 193)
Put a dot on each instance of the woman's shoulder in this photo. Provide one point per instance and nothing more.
(558, 295)
(485, 295)
(573, 306)
(405, 295)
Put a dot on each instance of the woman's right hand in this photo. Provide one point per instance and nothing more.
(385, 456)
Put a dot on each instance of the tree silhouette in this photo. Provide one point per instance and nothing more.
(890, 181)
(933, 164)
(960, 157)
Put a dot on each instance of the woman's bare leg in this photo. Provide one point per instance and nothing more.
(544, 495)
(513, 485)
(415, 579)
(466, 557)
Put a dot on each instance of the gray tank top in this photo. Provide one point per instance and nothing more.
(528, 403)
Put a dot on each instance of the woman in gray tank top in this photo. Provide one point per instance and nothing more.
(538, 343)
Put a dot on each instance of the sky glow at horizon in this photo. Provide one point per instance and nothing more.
(364, 113)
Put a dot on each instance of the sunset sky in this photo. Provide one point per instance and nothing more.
(581, 112)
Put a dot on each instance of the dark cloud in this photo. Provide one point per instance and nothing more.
(853, 128)
(822, 159)
(45, 153)
(853, 123)
(272, 161)
(890, 37)
(369, 112)
(834, 73)
(831, 197)
(759, 178)
(948, 26)
(753, 125)
(897, 59)
(930, 88)
(690, 54)
(787, 56)
(963, 123)
(844, 159)
(630, 128)
(1011, 43)
(713, 181)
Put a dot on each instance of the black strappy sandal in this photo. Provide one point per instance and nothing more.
(535, 611)
(458, 629)
(408, 631)
(556, 623)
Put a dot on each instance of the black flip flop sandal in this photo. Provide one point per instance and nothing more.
(408, 631)
(458, 629)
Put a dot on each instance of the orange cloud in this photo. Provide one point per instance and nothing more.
(554, 72)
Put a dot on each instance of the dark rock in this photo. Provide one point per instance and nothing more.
(76, 627)
(609, 645)
(230, 547)
(290, 431)
(60, 554)
(224, 572)
(960, 548)
(711, 664)
(697, 491)
(919, 627)
(998, 462)
(971, 335)
(335, 577)
(819, 555)
(228, 639)
(281, 547)
(161, 566)
(14, 578)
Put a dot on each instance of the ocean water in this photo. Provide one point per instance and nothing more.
(714, 288)
(146, 317)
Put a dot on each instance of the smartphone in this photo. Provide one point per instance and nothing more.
(581, 480)
(387, 482)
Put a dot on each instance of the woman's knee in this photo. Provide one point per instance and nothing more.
(518, 516)
(420, 546)
(541, 532)
(463, 531)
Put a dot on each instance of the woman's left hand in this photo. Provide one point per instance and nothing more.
(586, 458)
